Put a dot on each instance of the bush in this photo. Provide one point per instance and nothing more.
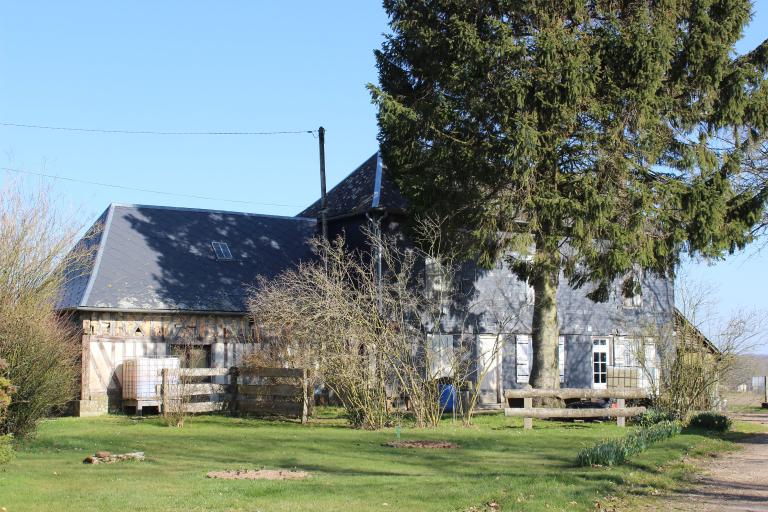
(711, 421)
(40, 346)
(6, 449)
(610, 452)
(6, 389)
(42, 364)
(653, 416)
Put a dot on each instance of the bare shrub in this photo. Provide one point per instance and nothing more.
(369, 322)
(689, 368)
(40, 346)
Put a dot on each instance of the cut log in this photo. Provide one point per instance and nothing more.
(205, 406)
(553, 412)
(197, 389)
(271, 389)
(294, 409)
(199, 372)
(567, 393)
(272, 372)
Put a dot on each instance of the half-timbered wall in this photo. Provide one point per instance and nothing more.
(109, 338)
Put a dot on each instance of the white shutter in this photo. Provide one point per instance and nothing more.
(650, 375)
(441, 355)
(650, 354)
(619, 352)
(522, 357)
(561, 357)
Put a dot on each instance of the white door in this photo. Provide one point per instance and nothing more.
(600, 347)
(489, 361)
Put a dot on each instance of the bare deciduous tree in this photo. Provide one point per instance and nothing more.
(39, 345)
(377, 326)
(688, 368)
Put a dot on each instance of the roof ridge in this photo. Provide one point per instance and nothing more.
(342, 181)
(229, 212)
(99, 252)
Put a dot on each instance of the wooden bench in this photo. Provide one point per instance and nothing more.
(528, 412)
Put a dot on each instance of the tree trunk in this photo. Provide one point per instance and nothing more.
(546, 276)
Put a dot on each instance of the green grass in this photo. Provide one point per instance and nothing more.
(498, 461)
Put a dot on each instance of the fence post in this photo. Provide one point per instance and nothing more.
(234, 374)
(527, 421)
(164, 391)
(304, 395)
(620, 419)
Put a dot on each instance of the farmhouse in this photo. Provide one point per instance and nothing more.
(166, 277)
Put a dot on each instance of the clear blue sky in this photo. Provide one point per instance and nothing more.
(217, 66)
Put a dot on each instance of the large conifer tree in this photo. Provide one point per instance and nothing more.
(607, 134)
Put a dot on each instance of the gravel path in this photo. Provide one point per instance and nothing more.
(734, 481)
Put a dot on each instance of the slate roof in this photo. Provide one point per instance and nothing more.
(367, 187)
(161, 258)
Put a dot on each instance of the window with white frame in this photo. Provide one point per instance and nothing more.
(438, 280)
(561, 357)
(529, 295)
(632, 299)
(637, 353)
(633, 302)
(600, 353)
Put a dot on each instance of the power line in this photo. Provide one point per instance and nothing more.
(135, 189)
(152, 132)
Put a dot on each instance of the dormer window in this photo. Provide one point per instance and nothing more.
(221, 249)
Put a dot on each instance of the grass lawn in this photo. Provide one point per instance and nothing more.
(498, 461)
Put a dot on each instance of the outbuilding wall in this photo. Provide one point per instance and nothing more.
(109, 338)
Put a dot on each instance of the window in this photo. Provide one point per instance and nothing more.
(530, 295)
(632, 292)
(633, 302)
(438, 279)
(561, 357)
(600, 363)
(221, 249)
(192, 356)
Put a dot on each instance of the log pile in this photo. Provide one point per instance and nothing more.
(110, 458)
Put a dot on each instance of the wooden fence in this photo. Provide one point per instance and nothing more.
(528, 412)
(179, 390)
(275, 396)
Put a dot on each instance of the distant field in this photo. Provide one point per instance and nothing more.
(745, 402)
(351, 471)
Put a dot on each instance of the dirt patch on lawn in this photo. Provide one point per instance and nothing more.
(258, 474)
(444, 445)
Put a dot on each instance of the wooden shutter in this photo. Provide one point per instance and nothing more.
(561, 357)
